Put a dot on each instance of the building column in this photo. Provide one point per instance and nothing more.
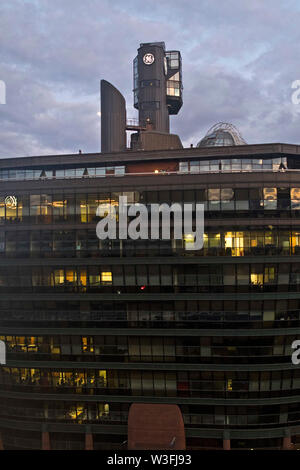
(226, 441)
(89, 442)
(45, 439)
(287, 440)
(1, 442)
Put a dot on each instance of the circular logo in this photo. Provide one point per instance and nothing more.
(148, 59)
(10, 201)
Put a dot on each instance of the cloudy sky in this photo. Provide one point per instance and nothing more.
(240, 58)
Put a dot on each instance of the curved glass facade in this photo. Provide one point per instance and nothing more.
(92, 326)
(217, 139)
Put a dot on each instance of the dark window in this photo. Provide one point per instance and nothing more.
(145, 83)
(150, 105)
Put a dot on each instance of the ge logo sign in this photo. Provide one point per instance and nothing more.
(148, 59)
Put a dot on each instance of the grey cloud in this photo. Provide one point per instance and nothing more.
(239, 60)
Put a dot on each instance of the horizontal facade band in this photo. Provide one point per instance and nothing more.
(266, 433)
(141, 297)
(150, 179)
(226, 223)
(174, 260)
(141, 399)
(275, 148)
(32, 331)
(168, 366)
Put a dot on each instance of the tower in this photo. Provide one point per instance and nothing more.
(157, 95)
(157, 85)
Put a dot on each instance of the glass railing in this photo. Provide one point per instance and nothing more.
(133, 315)
(194, 419)
(198, 389)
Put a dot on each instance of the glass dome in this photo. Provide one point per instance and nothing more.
(222, 134)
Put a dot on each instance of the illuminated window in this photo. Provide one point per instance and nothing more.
(270, 194)
(253, 241)
(94, 280)
(214, 198)
(58, 204)
(32, 344)
(295, 241)
(269, 274)
(257, 279)
(205, 240)
(215, 240)
(106, 276)
(229, 239)
(214, 194)
(54, 346)
(295, 198)
(71, 276)
(295, 194)
(102, 378)
(239, 244)
(229, 385)
(270, 198)
(87, 344)
(59, 276)
(226, 194)
(83, 278)
(103, 409)
(20, 340)
(188, 238)
(235, 243)
(77, 411)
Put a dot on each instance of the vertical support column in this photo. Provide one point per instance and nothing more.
(287, 440)
(226, 441)
(89, 442)
(45, 439)
(1, 442)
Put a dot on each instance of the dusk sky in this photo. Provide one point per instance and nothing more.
(240, 59)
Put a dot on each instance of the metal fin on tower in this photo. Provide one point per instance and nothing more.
(113, 119)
